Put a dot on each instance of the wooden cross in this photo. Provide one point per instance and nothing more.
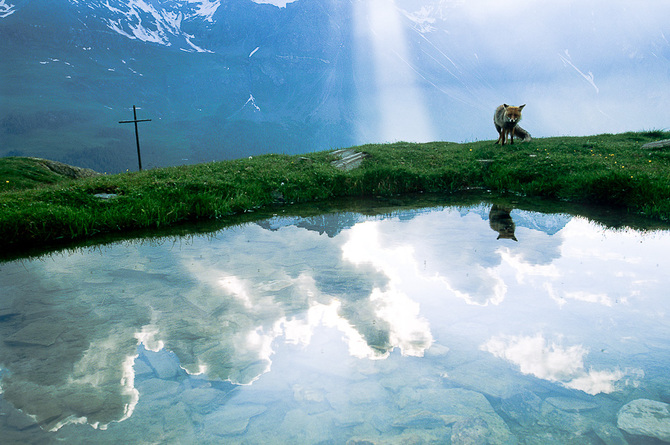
(137, 135)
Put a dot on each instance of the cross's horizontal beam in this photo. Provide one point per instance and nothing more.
(138, 120)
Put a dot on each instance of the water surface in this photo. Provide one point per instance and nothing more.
(439, 325)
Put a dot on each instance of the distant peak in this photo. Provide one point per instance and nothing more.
(153, 22)
(6, 9)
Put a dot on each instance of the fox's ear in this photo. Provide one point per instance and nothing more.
(521, 107)
(505, 105)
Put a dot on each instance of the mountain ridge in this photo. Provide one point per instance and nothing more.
(206, 94)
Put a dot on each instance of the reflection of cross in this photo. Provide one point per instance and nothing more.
(137, 135)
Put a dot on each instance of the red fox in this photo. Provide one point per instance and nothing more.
(506, 119)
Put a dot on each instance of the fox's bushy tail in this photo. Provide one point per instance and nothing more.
(522, 134)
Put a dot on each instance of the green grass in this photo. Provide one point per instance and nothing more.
(24, 173)
(38, 208)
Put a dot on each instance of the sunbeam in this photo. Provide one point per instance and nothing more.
(389, 94)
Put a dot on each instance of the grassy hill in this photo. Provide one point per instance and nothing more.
(20, 173)
(41, 205)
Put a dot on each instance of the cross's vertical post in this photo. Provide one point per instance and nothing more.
(137, 134)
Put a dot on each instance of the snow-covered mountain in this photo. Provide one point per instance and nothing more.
(219, 79)
(155, 22)
(228, 78)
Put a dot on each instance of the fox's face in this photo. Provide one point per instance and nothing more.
(513, 114)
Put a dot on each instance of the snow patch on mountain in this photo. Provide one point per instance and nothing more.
(6, 9)
(153, 22)
(252, 101)
(195, 47)
(425, 17)
(52, 60)
(248, 110)
(139, 18)
(279, 3)
(205, 8)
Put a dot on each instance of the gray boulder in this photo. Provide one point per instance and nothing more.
(645, 417)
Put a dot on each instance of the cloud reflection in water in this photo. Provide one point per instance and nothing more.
(72, 323)
(550, 361)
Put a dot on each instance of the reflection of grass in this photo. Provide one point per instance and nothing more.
(607, 169)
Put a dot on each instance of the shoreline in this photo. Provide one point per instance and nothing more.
(613, 171)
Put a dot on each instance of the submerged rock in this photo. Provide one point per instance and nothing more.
(164, 364)
(202, 400)
(471, 431)
(523, 408)
(231, 419)
(470, 409)
(43, 332)
(474, 376)
(570, 422)
(609, 434)
(419, 420)
(570, 404)
(644, 417)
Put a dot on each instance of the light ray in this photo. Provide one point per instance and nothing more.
(388, 82)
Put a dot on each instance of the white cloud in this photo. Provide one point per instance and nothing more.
(550, 361)
(407, 329)
(300, 331)
(596, 382)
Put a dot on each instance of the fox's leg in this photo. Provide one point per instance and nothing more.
(511, 136)
(500, 133)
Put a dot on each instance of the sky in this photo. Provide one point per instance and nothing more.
(582, 67)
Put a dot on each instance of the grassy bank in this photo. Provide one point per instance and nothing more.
(610, 170)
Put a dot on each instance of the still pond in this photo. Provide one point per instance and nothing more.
(462, 325)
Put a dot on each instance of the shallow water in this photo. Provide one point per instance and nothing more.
(438, 325)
